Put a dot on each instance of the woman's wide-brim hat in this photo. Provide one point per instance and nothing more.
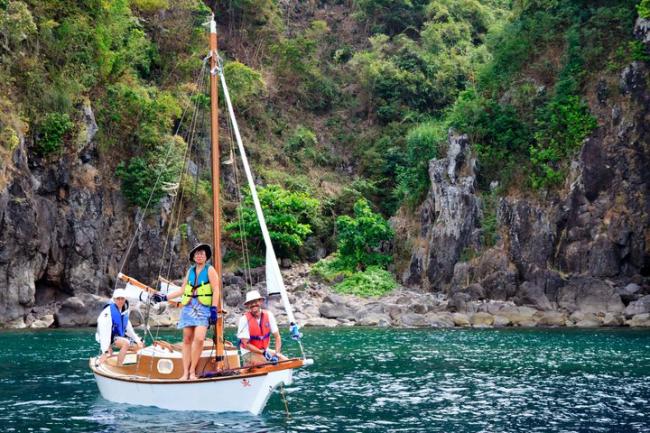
(251, 296)
(199, 247)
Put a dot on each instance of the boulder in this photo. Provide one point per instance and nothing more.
(534, 296)
(440, 320)
(375, 319)
(639, 320)
(481, 320)
(589, 295)
(43, 322)
(81, 310)
(613, 319)
(321, 322)
(336, 311)
(552, 318)
(412, 320)
(234, 297)
(641, 306)
(519, 316)
(460, 319)
(501, 321)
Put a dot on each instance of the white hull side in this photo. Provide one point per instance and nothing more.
(248, 394)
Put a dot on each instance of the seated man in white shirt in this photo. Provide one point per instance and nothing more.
(114, 328)
(254, 333)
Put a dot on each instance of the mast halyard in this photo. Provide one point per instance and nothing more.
(216, 209)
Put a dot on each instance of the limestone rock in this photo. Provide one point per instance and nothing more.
(440, 320)
(552, 318)
(481, 320)
(375, 319)
(639, 320)
(613, 319)
(501, 321)
(460, 319)
(412, 320)
(641, 306)
(81, 310)
(450, 215)
(43, 322)
(321, 322)
(590, 295)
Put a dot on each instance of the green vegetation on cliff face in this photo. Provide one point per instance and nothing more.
(338, 101)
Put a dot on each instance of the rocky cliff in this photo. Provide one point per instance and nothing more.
(586, 248)
(64, 227)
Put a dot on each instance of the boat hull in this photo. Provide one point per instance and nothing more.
(236, 394)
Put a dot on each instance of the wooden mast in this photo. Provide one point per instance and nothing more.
(216, 210)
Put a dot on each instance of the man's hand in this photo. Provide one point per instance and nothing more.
(213, 315)
(140, 344)
(270, 357)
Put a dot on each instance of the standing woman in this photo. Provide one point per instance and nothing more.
(200, 297)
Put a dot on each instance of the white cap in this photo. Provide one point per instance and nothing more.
(251, 296)
(119, 293)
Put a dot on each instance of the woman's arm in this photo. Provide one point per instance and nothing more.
(178, 292)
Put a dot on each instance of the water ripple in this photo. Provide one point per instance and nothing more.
(367, 380)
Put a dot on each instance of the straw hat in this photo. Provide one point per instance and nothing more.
(199, 247)
(251, 296)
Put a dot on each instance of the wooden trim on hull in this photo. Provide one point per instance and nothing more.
(244, 373)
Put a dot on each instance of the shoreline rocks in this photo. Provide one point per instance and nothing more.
(315, 304)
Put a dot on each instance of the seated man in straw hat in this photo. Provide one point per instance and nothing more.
(114, 328)
(254, 333)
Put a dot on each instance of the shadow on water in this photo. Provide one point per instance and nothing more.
(111, 418)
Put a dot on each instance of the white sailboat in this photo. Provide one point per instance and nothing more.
(151, 376)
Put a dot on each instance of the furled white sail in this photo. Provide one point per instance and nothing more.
(274, 281)
(135, 293)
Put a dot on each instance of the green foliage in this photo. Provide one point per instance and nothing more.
(296, 67)
(360, 238)
(52, 132)
(143, 177)
(245, 84)
(500, 139)
(289, 218)
(331, 269)
(120, 42)
(639, 52)
(390, 16)
(561, 128)
(137, 115)
(16, 24)
(302, 138)
(489, 222)
(643, 9)
(422, 143)
(374, 281)
(150, 5)
(9, 139)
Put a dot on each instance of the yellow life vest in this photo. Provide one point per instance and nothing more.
(199, 288)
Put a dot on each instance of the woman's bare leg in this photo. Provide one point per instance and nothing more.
(197, 348)
(188, 336)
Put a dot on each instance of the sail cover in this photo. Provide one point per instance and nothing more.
(274, 281)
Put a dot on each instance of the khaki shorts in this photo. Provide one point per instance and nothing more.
(251, 358)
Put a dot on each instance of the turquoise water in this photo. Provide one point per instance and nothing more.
(366, 380)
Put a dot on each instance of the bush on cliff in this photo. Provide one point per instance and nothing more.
(289, 215)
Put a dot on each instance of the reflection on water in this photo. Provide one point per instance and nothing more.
(366, 380)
